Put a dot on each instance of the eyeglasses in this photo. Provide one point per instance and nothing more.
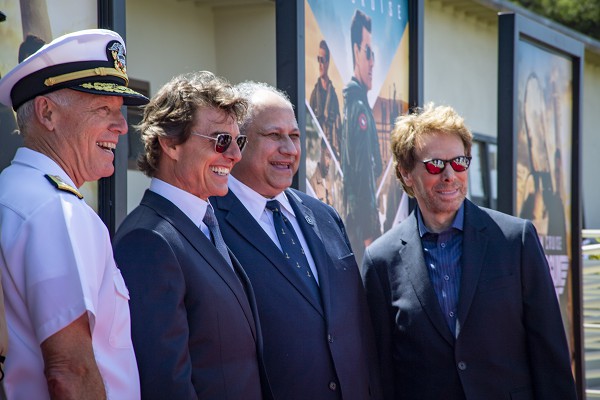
(369, 53)
(321, 60)
(435, 166)
(223, 141)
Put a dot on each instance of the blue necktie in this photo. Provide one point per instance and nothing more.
(211, 222)
(292, 249)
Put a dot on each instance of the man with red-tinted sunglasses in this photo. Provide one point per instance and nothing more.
(461, 297)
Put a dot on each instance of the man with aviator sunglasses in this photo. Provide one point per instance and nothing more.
(360, 155)
(461, 297)
(195, 326)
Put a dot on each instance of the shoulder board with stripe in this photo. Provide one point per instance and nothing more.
(58, 183)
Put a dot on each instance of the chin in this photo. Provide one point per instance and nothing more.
(219, 192)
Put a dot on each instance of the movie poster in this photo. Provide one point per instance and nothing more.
(544, 157)
(356, 86)
(27, 25)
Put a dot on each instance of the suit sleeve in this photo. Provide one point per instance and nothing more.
(377, 288)
(546, 341)
(158, 315)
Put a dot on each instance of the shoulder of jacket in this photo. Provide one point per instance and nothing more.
(59, 184)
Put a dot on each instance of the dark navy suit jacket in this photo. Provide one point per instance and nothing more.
(194, 322)
(510, 341)
(311, 350)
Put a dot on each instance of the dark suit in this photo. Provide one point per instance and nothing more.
(193, 323)
(311, 351)
(510, 342)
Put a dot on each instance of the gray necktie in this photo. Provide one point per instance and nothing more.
(211, 221)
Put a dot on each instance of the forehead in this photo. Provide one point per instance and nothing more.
(208, 118)
(273, 112)
(366, 35)
(439, 145)
(84, 100)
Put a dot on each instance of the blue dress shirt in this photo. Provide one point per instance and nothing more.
(442, 253)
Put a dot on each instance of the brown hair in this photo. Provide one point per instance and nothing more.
(170, 113)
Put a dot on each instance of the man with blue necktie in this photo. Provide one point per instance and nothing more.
(318, 342)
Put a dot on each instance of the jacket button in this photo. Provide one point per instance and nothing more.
(332, 385)
(462, 365)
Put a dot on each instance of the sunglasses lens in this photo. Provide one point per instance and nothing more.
(460, 164)
(370, 53)
(222, 143)
(241, 142)
(434, 167)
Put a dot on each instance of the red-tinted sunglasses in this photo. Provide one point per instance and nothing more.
(435, 165)
(223, 140)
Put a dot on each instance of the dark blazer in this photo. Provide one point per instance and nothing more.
(194, 329)
(510, 342)
(311, 351)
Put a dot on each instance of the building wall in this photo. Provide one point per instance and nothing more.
(245, 43)
(461, 65)
(591, 144)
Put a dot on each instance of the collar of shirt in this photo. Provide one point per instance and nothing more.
(192, 206)
(254, 202)
(42, 162)
(458, 222)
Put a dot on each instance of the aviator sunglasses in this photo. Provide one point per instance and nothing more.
(223, 141)
(435, 165)
(368, 52)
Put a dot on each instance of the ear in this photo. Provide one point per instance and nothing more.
(45, 112)
(168, 148)
(406, 176)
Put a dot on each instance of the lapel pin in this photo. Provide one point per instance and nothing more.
(309, 219)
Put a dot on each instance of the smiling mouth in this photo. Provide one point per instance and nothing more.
(280, 165)
(107, 145)
(222, 171)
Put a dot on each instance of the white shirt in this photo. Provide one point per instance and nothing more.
(57, 263)
(192, 206)
(256, 206)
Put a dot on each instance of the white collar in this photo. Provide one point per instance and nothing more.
(191, 205)
(254, 202)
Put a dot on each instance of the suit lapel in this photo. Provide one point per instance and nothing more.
(240, 220)
(411, 252)
(473, 251)
(173, 215)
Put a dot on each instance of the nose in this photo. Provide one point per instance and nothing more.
(233, 152)
(448, 174)
(288, 146)
(120, 126)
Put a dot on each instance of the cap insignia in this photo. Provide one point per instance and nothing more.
(58, 183)
(117, 51)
